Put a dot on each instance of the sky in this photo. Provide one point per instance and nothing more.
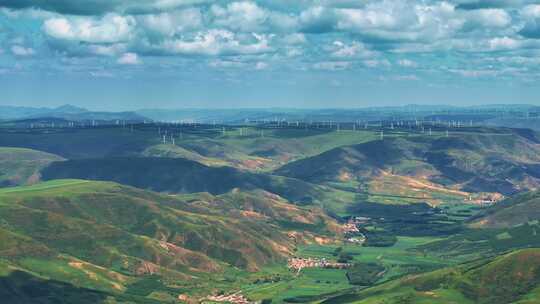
(130, 54)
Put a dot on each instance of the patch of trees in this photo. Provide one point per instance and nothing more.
(365, 274)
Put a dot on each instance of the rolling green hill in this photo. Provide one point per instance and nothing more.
(510, 278)
(508, 225)
(517, 210)
(176, 175)
(503, 161)
(251, 148)
(20, 166)
(105, 236)
(74, 143)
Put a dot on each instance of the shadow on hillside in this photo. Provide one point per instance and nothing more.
(21, 288)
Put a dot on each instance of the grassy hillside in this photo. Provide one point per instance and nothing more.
(75, 143)
(21, 166)
(263, 149)
(105, 236)
(247, 148)
(513, 211)
(504, 161)
(176, 175)
(21, 287)
(510, 278)
(508, 225)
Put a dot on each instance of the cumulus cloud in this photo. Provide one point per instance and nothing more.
(109, 29)
(377, 63)
(216, 42)
(497, 18)
(218, 63)
(327, 35)
(355, 49)
(19, 50)
(249, 16)
(246, 16)
(295, 38)
(107, 49)
(129, 59)
(261, 65)
(318, 19)
(332, 65)
(99, 7)
(171, 23)
(504, 43)
(531, 14)
(407, 63)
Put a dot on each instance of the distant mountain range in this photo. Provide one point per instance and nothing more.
(65, 112)
(527, 116)
(443, 112)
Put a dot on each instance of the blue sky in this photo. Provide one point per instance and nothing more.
(120, 54)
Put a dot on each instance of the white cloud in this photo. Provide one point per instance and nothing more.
(261, 65)
(22, 51)
(504, 43)
(407, 63)
(497, 18)
(355, 49)
(107, 50)
(109, 29)
(317, 19)
(249, 16)
(171, 23)
(246, 16)
(377, 63)
(400, 20)
(406, 78)
(216, 42)
(531, 15)
(531, 11)
(474, 73)
(101, 74)
(293, 52)
(332, 65)
(129, 59)
(296, 38)
(218, 63)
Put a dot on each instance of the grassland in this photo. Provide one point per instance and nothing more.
(510, 278)
(449, 166)
(19, 166)
(105, 236)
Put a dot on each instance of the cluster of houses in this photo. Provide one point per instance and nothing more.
(300, 263)
(486, 199)
(352, 232)
(235, 298)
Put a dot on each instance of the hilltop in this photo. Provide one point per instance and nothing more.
(19, 166)
(503, 161)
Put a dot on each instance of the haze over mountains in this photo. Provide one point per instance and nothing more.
(521, 116)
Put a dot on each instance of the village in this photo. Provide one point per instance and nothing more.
(352, 232)
(300, 263)
(235, 298)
